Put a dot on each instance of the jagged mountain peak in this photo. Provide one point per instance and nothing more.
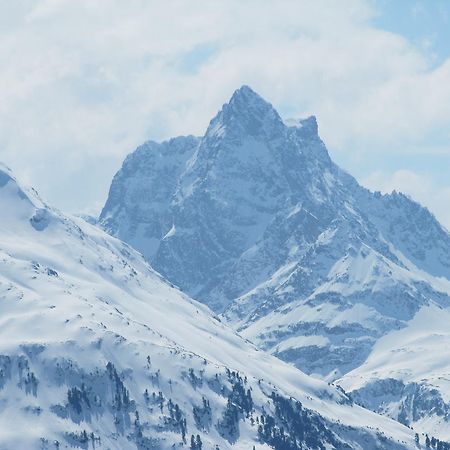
(247, 113)
(245, 96)
(262, 226)
(307, 127)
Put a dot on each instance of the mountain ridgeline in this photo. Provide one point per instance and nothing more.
(256, 221)
(97, 351)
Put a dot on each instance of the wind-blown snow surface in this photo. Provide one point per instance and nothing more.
(98, 351)
(256, 221)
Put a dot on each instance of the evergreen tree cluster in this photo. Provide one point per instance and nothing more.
(154, 377)
(81, 439)
(434, 443)
(242, 398)
(5, 369)
(195, 380)
(31, 383)
(239, 405)
(77, 398)
(294, 428)
(121, 399)
(229, 424)
(196, 443)
(203, 415)
(176, 419)
(284, 425)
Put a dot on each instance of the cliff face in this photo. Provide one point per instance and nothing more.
(256, 221)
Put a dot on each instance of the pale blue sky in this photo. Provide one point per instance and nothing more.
(425, 23)
(83, 83)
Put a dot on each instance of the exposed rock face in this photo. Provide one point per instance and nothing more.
(257, 222)
(97, 351)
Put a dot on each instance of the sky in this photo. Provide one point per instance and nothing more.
(83, 83)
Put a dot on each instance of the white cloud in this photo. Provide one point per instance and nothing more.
(82, 83)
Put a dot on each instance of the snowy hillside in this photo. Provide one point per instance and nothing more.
(256, 221)
(98, 351)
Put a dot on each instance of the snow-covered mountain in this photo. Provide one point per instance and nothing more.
(255, 220)
(98, 351)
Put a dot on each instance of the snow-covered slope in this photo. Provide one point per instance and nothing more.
(387, 382)
(98, 351)
(259, 223)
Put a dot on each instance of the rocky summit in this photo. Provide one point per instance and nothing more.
(255, 220)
